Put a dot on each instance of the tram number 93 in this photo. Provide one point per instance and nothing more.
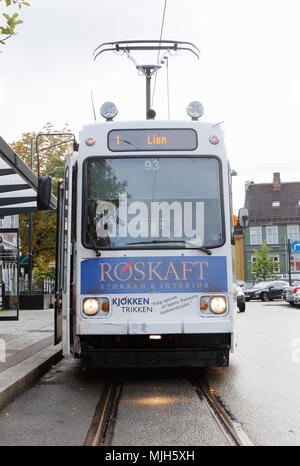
(151, 165)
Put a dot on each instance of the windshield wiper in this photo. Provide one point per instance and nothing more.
(98, 253)
(204, 249)
(201, 248)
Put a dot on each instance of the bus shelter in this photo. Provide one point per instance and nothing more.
(18, 195)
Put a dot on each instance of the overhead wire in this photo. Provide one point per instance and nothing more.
(158, 56)
(168, 88)
(158, 53)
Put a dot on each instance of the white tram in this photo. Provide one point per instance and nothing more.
(145, 233)
(144, 265)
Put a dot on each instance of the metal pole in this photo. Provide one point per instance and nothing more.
(289, 262)
(30, 231)
(148, 90)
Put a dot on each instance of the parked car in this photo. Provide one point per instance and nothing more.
(246, 285)
(288, 293)
(266, 291)
(239, 297)
(297, 297)
(240, 283)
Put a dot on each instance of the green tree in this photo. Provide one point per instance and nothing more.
(42, 271)
(8, 29)
(264, 266)
(52, 163)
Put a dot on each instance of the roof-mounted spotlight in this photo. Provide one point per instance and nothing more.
(151, 114)
(108, 110)
(195, 110)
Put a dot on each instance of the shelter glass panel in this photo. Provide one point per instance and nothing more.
(9, 274)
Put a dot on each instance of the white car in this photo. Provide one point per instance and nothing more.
(297, 298)
(289, 292)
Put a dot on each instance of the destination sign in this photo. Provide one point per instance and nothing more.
(139, 140)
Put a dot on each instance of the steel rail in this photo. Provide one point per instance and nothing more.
(233, 429)
(100, 430)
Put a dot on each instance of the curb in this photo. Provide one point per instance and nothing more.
(18, 379)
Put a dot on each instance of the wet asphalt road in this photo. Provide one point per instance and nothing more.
(261, 389)
(56, 411)
(262, 385)
(164, 410)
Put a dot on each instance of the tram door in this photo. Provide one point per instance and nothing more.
(59, 265)
(9, 274)
(63, 256)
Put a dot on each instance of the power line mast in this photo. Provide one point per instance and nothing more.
(146, 70)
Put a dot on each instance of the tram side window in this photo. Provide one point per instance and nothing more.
(65, 231)
(230, 204)
(59, 237)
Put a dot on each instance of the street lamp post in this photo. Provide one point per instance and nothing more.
(289, 261)
(30, 231)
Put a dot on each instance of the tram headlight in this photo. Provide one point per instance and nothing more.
(195, 110)
(91, 306)
(108, 110)
(218, 304)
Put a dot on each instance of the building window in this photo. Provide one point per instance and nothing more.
(12, 221)
(255, 235)
(293, 232)
(272, 235)
(277, 261)
(295, 262)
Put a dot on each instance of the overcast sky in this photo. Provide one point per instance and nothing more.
(248, 73)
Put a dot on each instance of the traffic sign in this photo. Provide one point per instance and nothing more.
(295, 246)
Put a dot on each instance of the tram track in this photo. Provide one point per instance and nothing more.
(101, 427)
(232, 429)
(101, 430)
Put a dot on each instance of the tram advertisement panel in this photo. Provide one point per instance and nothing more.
(162, 274)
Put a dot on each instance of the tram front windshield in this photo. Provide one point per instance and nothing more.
(163, 202)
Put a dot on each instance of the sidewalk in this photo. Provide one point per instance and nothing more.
(26, 352)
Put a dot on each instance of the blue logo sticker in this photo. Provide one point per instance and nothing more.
(115, 275)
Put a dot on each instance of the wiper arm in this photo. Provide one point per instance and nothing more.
(194, 245)
(201, 248)
(204, 249)
(155, 241)
(98, 253)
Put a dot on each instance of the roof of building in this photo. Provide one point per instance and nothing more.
(273, 202)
